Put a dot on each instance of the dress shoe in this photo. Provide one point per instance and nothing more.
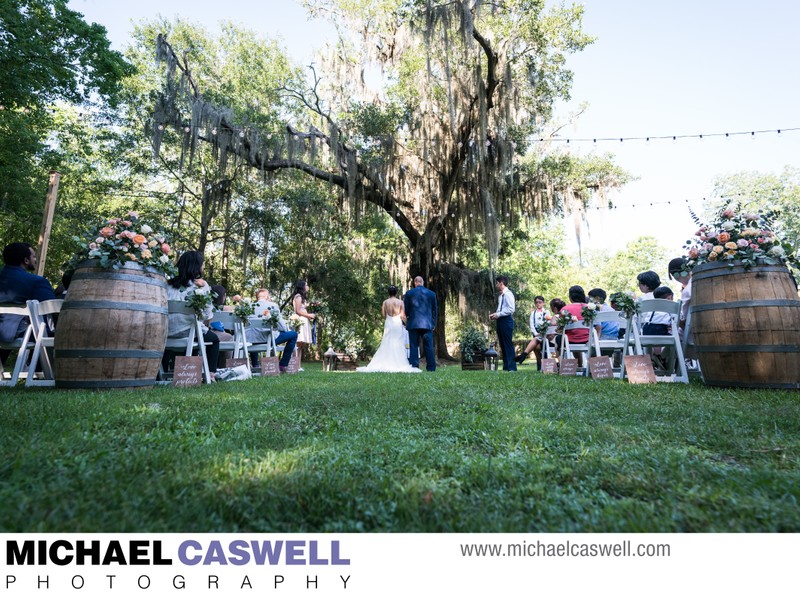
(521, 358)
(283, 369)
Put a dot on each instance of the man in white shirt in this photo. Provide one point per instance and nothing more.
(506, 305)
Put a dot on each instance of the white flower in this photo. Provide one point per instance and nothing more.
(147, 229)
(777, 251)
(591, 306)
(728, 225)
(164, 259)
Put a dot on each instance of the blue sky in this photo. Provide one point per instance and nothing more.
(656, 69)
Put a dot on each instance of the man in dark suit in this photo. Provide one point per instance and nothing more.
(422, 309)
(506, 306)
(18, 285)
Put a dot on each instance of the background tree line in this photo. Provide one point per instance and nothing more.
(277, 173)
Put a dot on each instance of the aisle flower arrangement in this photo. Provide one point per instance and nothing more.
(735, 236)
(114, 242)
(625, 303)
(200, 298)
(564, 318)
(589, 313)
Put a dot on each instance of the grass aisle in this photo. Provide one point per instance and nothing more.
(446, 452)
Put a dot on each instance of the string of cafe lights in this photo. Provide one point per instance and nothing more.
(674, 137)
(187, 128)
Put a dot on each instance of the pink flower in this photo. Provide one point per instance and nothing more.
(133, 215)
(92, 246)
(100, 240)
(165, 248)
(724, 237)
(106, 232)
(754, 246)
(693, 252)
(743, 243)
(727, 213)
(126, 223)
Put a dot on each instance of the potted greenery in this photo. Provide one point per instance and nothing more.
(472, 345)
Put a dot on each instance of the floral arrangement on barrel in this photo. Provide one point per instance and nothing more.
(735, 236)
(115, 242)
(589, 313)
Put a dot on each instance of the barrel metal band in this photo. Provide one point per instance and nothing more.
(748, 348)
(747, 304)
(118, 276)
(733, 384)
(139, 383)
(116, 305)
(703, 274)
(107, 354)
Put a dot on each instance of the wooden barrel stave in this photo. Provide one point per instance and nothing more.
(746, 326)
(112, 329)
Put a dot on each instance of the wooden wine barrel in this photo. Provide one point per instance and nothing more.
(746, 325)
(112, 328)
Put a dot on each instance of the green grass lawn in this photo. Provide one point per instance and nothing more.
(451, 451)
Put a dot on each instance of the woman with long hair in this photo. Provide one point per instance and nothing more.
(300, 303)
(189, 280)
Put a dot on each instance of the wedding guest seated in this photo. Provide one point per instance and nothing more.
(577, 299)
(281, 333)
(606, 330)
(657, 323)
(664, 292)
(18, 284)
(189, 280)
(538, 316)
(556, 305)
(676, 272)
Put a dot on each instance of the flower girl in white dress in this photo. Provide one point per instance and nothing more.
(391, 354)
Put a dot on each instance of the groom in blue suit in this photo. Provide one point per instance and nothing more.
(422, 309)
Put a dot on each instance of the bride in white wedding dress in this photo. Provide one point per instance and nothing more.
(391, 354)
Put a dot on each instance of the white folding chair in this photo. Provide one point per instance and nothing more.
(623, 345)
(676, 365)
(568, 349)
(688, 351)
(237, 347)
(548, 350)
(41, 314)
(268, 346)
(20, 345)
(194, 340)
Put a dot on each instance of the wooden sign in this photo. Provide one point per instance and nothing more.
(600, 368)
(188, 372)
(549, 366)
(235, 362)
(294, 364)
(639, 369)
(268, 365)
(568, 367)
